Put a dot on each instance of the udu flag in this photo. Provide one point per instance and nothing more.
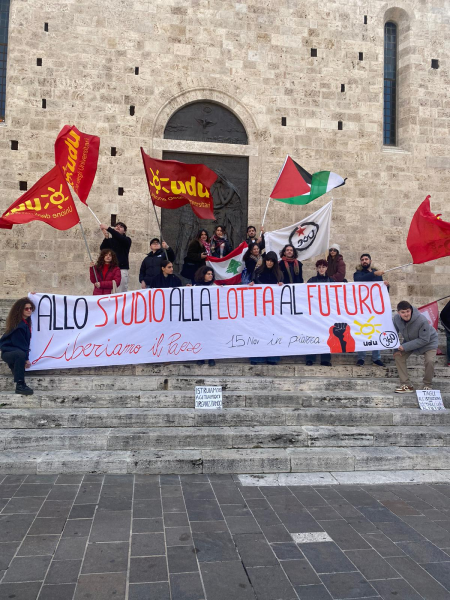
(310, 236)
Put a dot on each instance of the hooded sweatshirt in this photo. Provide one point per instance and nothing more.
(418, 335)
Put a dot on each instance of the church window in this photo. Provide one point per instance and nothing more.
(390, 84)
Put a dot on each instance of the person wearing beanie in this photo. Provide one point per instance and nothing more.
(151, 265)
(365, 273)
(336, 264)
(321, 277)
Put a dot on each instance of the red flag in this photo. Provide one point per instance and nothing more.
(431, 312)
(49, 200)
(77, 155)
(428, 236)
(173, 184)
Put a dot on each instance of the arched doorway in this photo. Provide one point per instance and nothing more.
(208, 122)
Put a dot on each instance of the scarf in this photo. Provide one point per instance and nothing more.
(207, 247)
(288, 261)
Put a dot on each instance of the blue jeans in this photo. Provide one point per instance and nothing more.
(376, 355)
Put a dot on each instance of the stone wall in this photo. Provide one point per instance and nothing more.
(255, 58)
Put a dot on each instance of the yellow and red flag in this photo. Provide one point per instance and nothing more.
(173, 184)
(77, 154)
(49, 200)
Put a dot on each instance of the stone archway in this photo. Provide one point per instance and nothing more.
(224, 137)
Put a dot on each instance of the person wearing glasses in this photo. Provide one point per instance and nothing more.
(15, 343)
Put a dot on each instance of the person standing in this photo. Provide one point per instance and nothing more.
(290, 266)
(15, 343)
(252, 260)
(166, 278)
(108, 273)
(365, 273)
(151, 265)
(120, 244)
(445, 320)
(419, 337)
(321, 277)
(336, 264)
(252, 239)
(220, 246)
(198, 251)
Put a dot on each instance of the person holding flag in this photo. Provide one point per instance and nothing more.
(120, 243)
(105, 275)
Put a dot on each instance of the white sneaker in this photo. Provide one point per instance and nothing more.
(404, 389)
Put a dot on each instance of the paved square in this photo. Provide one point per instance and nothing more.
(200, 537)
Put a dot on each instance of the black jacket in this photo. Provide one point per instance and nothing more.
(170, 281)
(295, 278)
(321, 279)
(17, 339)
(215, 251)
(120, 244)
(366, 275)
(267, 277)
(151, 265)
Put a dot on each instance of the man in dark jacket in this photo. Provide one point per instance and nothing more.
(445, 320)
(121, 244)
(151, 265)
(365, 273)
(321, 277)
(419, 337)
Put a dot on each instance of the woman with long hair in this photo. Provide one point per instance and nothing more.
(198, 251)
(205, 276)
(290, 266)
(166, 278)
(15, 342)
(269, 272)
(220, 246)
(252, 260)
(336, 264)
(108, 273)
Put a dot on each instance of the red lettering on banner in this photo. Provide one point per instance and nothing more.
(336, 287)
(270, 301)
(218, 306)
(324, 314)
(380, 291)
(131, 311)
(139, 295)
(163, 312)
(232, 290)
(354, 300)
(104, 311)
(362, 301)
(156, 349)
(310, 296)
(175, 348)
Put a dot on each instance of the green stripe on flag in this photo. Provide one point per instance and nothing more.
(304, 199)
(319, 184)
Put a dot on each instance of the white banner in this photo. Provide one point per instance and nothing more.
(311, 235)
(194, 323)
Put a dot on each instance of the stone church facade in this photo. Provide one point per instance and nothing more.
(300, 78)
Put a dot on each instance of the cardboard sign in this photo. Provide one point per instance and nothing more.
(430, 399)
(209, 397)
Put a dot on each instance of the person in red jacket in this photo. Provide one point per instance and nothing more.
(108, 273)
(336, 264)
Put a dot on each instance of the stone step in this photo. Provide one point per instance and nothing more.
(42, 419)
(266, 460)
(231, 399)
(242, 384)
(158, 438)
(244, 369)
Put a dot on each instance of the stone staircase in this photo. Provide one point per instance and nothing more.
(289, 418)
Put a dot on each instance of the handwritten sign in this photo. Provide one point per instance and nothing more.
(202, 323)
(430, 399)
(209, 397)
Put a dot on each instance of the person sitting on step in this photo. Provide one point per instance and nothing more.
(15, 342)
(321, 277)
(419, 337)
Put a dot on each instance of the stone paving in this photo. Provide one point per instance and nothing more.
(200, 537)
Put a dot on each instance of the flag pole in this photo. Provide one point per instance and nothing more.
(87, 248)
(268, 201)
(95, 216)
(159, 225)
(400, 267)
(265, 213)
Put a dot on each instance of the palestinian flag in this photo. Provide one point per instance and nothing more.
(296, 186)
(228, 270)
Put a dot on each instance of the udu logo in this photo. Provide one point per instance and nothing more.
(303, 237)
